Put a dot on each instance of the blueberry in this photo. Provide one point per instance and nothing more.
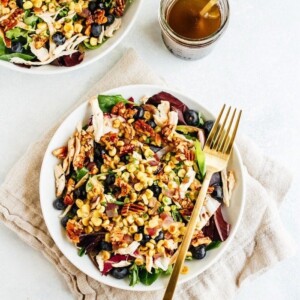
(73, 210)
(16, 47)
(217, 193)
(101, 5)
(110, 19)
(20, 3)
(58, 38)
(105, 246)
(119, 273)
(146, 238)
(191, 117)
(140, 229)
(207, 126)
(96, 30)
(80, 193)
(99, 151)
(198, 252)
(159, 237)
(156, 190)
(92, 6)
(139, 112)
(110, 179)
(124, 159)
(151, 123)
(65, 220)
(59, 204)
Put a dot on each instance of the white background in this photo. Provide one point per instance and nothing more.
(256, 66)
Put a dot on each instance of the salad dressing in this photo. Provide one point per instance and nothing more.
(184, 18)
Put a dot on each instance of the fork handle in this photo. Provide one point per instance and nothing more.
(187, 238)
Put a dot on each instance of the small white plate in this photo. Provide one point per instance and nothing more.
(90, 55)
(232, 214)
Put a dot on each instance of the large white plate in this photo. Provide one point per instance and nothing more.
(90, 55)
(47, 194)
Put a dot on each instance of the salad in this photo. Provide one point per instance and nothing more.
(127, 181)
(41, 32)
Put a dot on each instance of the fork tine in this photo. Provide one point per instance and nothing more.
(223, 143)
(215, 128)
(221, 131)
(230, 145)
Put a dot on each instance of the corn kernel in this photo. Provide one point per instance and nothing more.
(125, 222)
(173, 228)
(149, 170)
(79, 203)
(184, 270)
(188, 163)
(85, 208)
(147, 115)
(145, 199)
(152, 241)
(138, 187)
(104, 169)
(124, 245)
(37, 3)
(107, 237)
(125, 230)
(89, 229)
(78, 8)
(27, 5)
(85, 221)
(131, 168)
(160, 243)
(181, 173)
(113, 150)
(139, 261)
(42, 26)
(72, 5)
(149, 193)
(79, 213)
(116, 123)
(78, 28)
(5, 10)
(105, 223)
(96, 221)
(166, 200)
(133, 197)
(148, 153)
(182, 230)
(167, 208)
(133, 228)
(138, 237)
(140, 221)
(96, 214)
(12, 4)
(167, 169)
(143, 248)
(51, 7)
(160, 249)
(102, 209)
(105, 255)
(151, 252)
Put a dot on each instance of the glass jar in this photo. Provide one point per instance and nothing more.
(186, 48)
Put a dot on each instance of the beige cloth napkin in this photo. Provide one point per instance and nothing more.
(257, 246)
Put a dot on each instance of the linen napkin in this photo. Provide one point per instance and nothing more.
(256, 247)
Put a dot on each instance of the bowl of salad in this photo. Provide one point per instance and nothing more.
(119, 181)
(48, 36)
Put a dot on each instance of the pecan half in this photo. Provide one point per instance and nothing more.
(12, 20)
(132, 208)
(60, 153)
(143, 128)
(120, 8)
(126, 149)
(99, 16)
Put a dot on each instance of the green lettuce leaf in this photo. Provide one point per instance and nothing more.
(148, 278)
(107, 102)
(9, 56)
(200, 157)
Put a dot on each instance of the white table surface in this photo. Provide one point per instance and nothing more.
(256, 66)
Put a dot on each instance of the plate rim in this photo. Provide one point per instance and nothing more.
(242, 182)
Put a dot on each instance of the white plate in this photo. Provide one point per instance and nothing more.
(51, 216)
(90, 55)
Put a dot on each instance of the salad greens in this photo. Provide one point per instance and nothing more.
(213, 245)
(81, 173)
(200, 157)
(107, 102)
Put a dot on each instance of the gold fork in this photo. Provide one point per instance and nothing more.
(217, 151)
